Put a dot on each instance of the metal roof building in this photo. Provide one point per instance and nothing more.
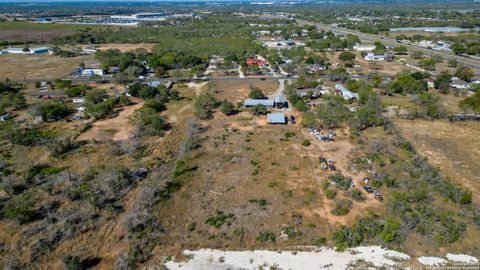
(276, 118)
(254, 102)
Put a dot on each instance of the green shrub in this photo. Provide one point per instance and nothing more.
(342, 207)
(21, 209)
(306, 143)
(341, 181)
(330, 194)
(291, 232)
(357, 195)
(265, 237)
(220, 219)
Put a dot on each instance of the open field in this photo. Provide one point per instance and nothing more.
(126, 47)
(238, 90)
(40, 67)
(453, 147)
(37, 32)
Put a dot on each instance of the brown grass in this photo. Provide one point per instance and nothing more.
(40, 67)
(453, 147)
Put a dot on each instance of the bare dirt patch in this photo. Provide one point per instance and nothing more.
(237, 90)
(117, 128)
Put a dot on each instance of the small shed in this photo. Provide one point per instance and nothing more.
(276, 118)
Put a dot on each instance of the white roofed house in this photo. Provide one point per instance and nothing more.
(93, 71)
(375, 57)
(342, 91)
(459, 84)
(364, 48)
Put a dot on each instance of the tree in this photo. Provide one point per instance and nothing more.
(346, 56)
(149, 121)
(471, 103)
(51, 110)
(259, 109)
(442, 82)
(452, 63)
(400, 50)
(20, 208)
(228, 108)
(256, 93)
(204, 105)
(464, 73)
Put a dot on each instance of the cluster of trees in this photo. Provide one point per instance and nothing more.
(10, 97)
(428, 106)
(408, 83)
(204, 105)
(51, 110)
(328, 40)
(471, 103)
(98, 104)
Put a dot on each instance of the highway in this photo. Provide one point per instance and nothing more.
(464, 60)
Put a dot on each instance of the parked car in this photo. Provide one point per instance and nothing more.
(368, 189)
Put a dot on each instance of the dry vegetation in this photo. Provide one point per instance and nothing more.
(40, 67)
(453, 147)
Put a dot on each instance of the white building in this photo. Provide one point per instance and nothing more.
(93, 71)
(459, 84)
(364, 48)
(14, 51)
(342, 91)
(375, 57)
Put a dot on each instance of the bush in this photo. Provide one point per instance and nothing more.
(344, 237)
(51, 111)
(341, 181)
(357, 195)
(389, 231)
(320, 241)
(256, 93)
(21, 209)
(149, 121)
(306, 143)
(265, 237)
(228, 108)
(342, 207)
(204, 105)
(220, 219)
(259, 109)
(291, 232)
(330, 194)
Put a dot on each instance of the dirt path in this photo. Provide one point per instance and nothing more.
(197, 87)
(116, 129)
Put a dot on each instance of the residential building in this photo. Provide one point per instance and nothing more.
(93, 71)
(459, 84)
(364, 48)
(39, 50)
(375, 57)
(256, 62)
(342, 91)
(269, 103)
(276, 118)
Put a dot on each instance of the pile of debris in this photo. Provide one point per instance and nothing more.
(323, 137)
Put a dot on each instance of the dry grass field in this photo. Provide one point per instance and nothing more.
(237, 90)
(453, 147)
(126, 47)
(40, 67)
(38, 33)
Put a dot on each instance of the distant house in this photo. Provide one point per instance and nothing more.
(93, 71)
(256, 62)
(375, 57)
(430, 83)
(269, 103)
(51, 94)
(316, 92)
(39, 50)
(459, 84)
(276, 118)
(313, 68)
(342, 91)
(113, 70)
(14, 51)
(364, 48)
(78, 100)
